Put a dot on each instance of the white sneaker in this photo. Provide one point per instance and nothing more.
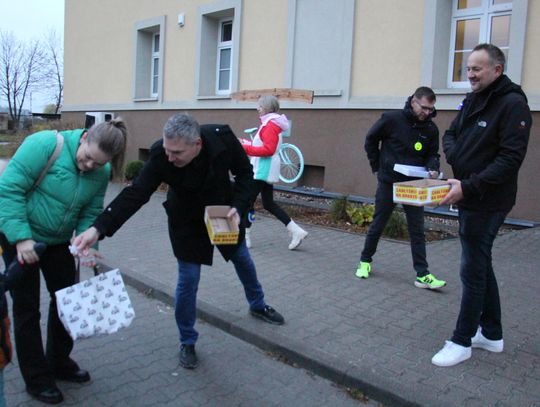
(248, 238)
(297, 233)
(451, 354)
(480, 341)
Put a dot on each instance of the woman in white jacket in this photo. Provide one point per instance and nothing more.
(263, 152)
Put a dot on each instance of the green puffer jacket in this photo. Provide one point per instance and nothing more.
(66, 200)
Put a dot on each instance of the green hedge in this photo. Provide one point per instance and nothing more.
(132, 169)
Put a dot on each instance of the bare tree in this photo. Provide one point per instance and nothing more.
(54, 73)
(20, 71)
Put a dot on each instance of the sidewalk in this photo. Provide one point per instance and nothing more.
(378, 334)
(138, 367)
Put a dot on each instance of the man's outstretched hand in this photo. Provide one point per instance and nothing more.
(86, 240)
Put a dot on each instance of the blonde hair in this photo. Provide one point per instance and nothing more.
(111, 138)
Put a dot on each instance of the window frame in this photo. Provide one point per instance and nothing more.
(221, 46)
(154, 75)
(144, 33)
(208, 17)
(484, 13)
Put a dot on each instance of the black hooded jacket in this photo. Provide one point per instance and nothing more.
(398, 137)
(486, 144)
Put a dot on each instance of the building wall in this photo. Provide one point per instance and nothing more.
(361, 58)
(387, 46)
(333, 140)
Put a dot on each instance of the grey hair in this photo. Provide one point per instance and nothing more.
(111, 138)
(182, 126)
(269, 103)
(496, 56)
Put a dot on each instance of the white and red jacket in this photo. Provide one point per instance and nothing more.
(263, 150)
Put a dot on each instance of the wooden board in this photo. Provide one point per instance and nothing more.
(297, 95)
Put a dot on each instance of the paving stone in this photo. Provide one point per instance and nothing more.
(365, 332)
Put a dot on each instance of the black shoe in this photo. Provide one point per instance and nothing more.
(188, 357)
(75, 376)
(268, 314)
(49, 395)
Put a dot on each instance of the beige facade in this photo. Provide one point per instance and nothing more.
(360, 57)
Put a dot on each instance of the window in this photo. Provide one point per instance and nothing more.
(155, 65)
(224, 58)
(474, 22)
(148, 66)
(440, 21)
(218, 49)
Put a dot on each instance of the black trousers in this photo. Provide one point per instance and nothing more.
(384, 206)
(267, 195)
(38, 365)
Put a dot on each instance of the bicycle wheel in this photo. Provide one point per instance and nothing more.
(292, 163)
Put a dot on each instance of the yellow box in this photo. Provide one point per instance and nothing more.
(420, 192)
(221, 230)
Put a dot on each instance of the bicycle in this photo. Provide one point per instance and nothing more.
(292, 160)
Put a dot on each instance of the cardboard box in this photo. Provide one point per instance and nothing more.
(221, 230)
(420, 192)
(412, 170)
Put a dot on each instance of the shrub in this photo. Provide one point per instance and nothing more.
(338, 209)
(396, 228)
(361, 214)
(132, 169)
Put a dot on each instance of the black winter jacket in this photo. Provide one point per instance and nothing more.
(486, 144)
(204, 181)
(398, 137)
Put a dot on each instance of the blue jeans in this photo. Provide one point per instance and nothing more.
(480, 304)
(188, 283)
(384, 206)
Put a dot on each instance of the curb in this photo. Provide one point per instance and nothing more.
(293, 352)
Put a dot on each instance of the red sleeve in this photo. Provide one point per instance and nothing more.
(270, 137)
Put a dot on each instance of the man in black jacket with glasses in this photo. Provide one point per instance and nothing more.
(409, 137)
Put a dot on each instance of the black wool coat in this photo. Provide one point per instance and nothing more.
(204, 181)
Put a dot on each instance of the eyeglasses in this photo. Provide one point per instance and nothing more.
(429, 109)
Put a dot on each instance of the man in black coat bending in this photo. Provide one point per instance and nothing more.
(485, 145)
(195, 161)
(409, 137)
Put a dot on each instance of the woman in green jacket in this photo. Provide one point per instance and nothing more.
(66, 201)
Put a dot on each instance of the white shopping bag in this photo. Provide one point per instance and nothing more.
(99, 305)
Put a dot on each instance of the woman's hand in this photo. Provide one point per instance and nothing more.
(90, 260)
(26, 253)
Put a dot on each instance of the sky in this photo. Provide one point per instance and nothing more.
(32, 19)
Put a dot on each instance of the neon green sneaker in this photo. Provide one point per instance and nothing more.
(429, 281)
(364, 268)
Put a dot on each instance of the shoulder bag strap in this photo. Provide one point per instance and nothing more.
(52, 159)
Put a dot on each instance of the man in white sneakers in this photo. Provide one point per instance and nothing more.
(485, 146)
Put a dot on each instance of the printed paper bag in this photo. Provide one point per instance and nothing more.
(99, 305)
